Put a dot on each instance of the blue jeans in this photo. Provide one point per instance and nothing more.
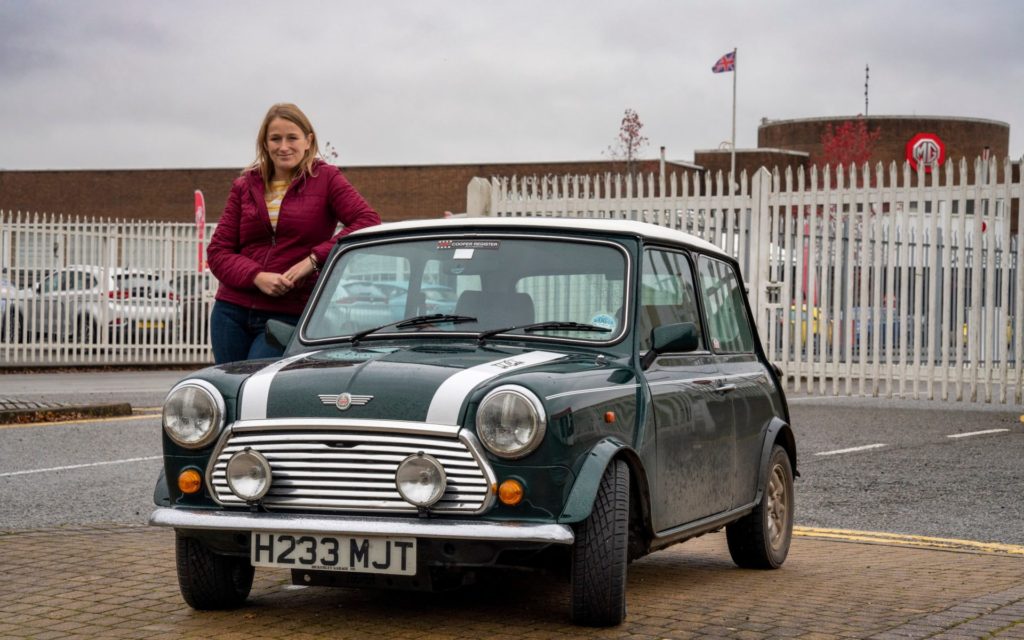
(237, 333)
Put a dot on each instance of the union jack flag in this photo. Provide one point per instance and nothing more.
(725, 63)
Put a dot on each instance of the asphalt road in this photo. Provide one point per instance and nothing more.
(913, 468)
(89, 472)
(865, 465)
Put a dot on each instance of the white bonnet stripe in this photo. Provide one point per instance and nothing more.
(448, 399)
(257, 389)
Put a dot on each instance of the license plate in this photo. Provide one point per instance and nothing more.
(151, 324)
(361, 554)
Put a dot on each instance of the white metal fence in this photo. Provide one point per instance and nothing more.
(880, 283)
(864, 283)
(79, 291)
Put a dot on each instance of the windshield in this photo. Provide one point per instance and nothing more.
(500, 282)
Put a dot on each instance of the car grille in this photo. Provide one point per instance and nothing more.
(352, 469)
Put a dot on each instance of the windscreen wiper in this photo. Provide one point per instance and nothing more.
(542, 326)
(414, 321)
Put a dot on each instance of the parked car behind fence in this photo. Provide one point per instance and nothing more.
(195, 293)
(87, 304)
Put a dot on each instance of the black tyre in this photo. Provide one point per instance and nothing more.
(760, 539)
(13, 328)
(209, 580)
(599, 554)
(87, 331)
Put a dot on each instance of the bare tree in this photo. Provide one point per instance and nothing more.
(629, 143)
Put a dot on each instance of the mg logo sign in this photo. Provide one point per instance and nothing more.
(927, 150)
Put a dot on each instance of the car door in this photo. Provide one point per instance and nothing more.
(743, 382)
(693, 423)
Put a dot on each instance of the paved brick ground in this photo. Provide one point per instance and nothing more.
(119, 582)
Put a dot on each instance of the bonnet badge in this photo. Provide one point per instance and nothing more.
(344, 400)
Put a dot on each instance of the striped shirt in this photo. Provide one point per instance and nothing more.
(274, 196)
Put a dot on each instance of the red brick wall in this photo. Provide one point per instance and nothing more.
(749, 160)
(963, 137)
(144, 194)
(398, 193)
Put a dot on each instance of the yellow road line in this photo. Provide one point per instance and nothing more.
(64, 423)
(921, 542)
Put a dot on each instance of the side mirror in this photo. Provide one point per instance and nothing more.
(681, 337)
(279, 333)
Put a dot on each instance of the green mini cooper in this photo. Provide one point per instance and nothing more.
(597, 392)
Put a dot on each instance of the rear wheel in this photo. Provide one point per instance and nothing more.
(210, 580)
(599, 554)
(760, 539)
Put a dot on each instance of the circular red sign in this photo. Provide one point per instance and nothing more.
(926, 149)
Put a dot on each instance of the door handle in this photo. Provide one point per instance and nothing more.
(725, 388)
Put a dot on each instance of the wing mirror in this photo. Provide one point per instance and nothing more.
(681, 337)
(279, 333)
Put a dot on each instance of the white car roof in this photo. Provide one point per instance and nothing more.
(629, 227)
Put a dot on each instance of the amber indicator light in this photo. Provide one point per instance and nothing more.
(510, 492)
(189, 481)
(609, 416)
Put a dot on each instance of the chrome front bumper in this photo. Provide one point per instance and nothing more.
(361, 526)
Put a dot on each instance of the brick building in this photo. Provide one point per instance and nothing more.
(797, 143)
(427, 191)
(397, 192)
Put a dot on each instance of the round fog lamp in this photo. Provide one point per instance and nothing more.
(420, 479)
(248, 475)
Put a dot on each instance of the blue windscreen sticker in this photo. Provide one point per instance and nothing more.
(604, 320)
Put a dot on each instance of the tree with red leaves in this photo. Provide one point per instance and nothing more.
(849, 143)
(629, 143)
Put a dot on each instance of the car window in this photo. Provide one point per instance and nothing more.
(666, 294)
(141, 285)
(499, 282)
(50, 283)
(85, 281)
(724, 301)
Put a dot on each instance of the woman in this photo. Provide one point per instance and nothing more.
(276, 231)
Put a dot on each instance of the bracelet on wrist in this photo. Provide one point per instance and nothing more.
(313, 261)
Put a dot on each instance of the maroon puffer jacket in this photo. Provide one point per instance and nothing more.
(245, 244)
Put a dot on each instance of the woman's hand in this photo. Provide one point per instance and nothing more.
(299, 270)
(274, 284)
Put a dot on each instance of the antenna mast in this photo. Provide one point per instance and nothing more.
(866, 75)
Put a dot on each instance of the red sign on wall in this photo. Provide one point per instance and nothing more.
(926, 149)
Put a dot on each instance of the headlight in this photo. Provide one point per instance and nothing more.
(510, 422)
(248, 474)
(193, 413)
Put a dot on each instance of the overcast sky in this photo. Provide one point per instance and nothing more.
(112, 84)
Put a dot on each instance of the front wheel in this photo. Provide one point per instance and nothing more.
(86, 330)
(760, 539)
(599, 554)
(209, 580)
(13, 328)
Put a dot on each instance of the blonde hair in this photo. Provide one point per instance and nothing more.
(291, 113)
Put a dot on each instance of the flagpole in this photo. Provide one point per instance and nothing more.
(732, 159)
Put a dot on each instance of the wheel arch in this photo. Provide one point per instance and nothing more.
(581, 498)
(779, 433)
